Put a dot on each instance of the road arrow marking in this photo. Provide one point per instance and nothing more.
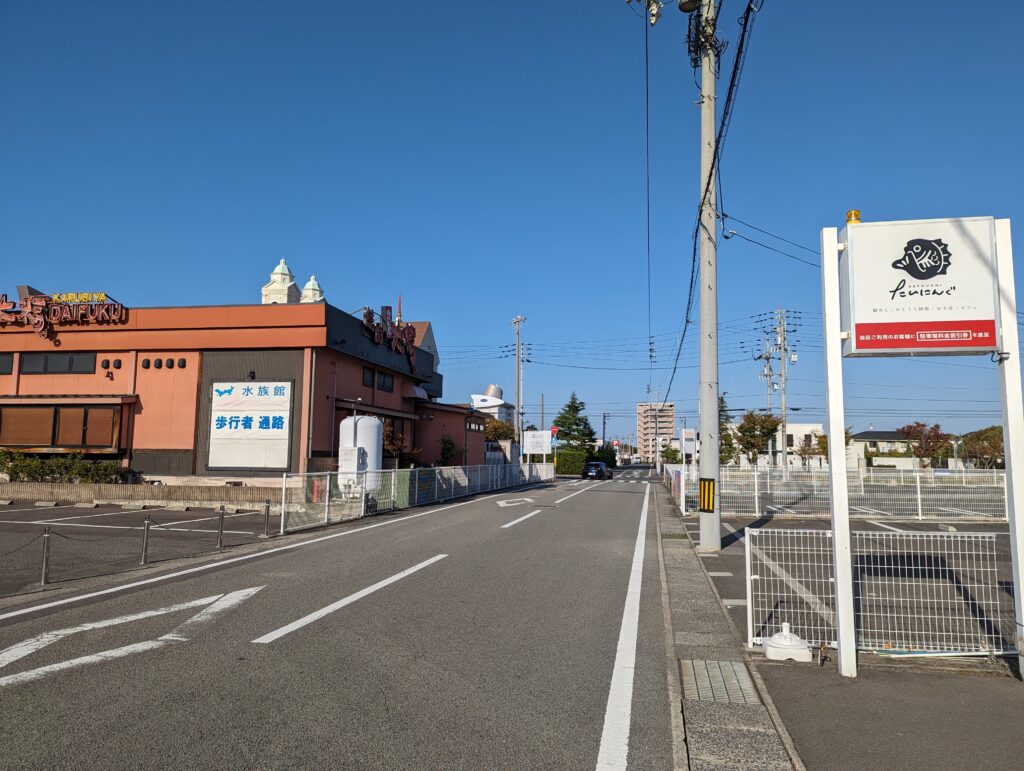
(216, 605)
(515, 501)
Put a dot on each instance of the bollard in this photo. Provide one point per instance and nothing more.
(145, 541)
(46, 555)
(266, 518)
(220, 527)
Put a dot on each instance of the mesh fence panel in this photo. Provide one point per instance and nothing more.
(913, 592)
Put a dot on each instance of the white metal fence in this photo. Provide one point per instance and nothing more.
(311, 500)
(914, 593)
(874, 493)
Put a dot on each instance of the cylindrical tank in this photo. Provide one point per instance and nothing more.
(366, 432)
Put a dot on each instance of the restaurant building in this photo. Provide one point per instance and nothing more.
(230, 390)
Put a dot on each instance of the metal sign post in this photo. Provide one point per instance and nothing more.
(1013, 422)
(842, 558)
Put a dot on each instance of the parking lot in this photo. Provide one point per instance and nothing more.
(919, 586)
(91, 541)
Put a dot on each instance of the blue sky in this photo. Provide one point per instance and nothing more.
(486, 160)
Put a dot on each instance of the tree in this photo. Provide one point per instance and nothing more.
(807, 448)
(822, 440)
(574, 429)
(531, 427)
(926, 442)
(447, 450)
(726, 443)
(496, 430)
(984, 446)
(754, 433)
(671, 455)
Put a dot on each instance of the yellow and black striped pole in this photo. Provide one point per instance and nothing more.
(706, 495)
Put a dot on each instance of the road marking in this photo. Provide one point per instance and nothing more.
(216, 605)
(962, 511)
(155, 525)
(720, 574)
(517, 521)
(734, 603)
(278, 633)
(82, 516)
(614, 749)
(232, 560)
(869, 510)
(887, 527)
(514, 502)
(580, 491)
(205, 519)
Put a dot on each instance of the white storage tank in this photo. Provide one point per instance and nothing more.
(365, 433)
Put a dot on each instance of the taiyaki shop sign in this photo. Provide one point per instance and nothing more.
(919, 287)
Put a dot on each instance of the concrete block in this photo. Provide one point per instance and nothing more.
(42, 504)
(6, 502)
(84, 505)
(133, 506)
(178, 507)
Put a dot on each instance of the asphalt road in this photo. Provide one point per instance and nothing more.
(470, 635)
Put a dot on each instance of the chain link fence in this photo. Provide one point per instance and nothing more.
(874, 493)
(312, 500)
(914, 593)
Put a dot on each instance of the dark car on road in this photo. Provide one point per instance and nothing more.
(597, 470)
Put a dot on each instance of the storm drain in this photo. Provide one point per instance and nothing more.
(723, 681)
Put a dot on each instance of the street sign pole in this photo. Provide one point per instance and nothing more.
(846, 633)
(1013, 422)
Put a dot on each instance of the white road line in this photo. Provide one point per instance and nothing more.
(887, 527)
(614, 749)
(232, 560)
(139, 526)
(31, 645)
(278, 633)
(720, 574)
(206, 519)
(517, 521)
(869, 510)
(90, 516)
(580, 491)
(962, 511)
(217, 605)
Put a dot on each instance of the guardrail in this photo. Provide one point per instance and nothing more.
(874, 494)
(312, 500)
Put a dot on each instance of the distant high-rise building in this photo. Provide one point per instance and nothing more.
(655, 427)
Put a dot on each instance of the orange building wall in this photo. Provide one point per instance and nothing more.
(165, 414)
(105, 382)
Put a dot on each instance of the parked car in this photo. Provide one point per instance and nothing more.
(596, 470)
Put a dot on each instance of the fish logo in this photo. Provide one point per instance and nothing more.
(924, 259)
(225, 391)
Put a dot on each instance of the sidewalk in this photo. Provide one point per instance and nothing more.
(931, 714)
(728, 725)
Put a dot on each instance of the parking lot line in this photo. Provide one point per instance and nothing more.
(888, 527)
(132, 527)
(86, 516)
(205, 519)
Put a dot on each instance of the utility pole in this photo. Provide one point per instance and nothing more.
(783, 360)
(517, 322)
(604, 425)
(543, 425)
(710, 521)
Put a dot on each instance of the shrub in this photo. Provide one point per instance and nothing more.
(570, 461)
(22, 467)
(606, 455)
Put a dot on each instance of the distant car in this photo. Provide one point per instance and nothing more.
(597, 470)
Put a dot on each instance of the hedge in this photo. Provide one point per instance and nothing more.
(22, 467)
(569, 461)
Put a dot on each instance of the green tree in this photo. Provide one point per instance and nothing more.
(671, 455)
(807, 448)
(495, 430)
(447, 450)
(926, 442)
(984, 446)
(726, 442)
(754, 433)
(574, 429)
(822, 440)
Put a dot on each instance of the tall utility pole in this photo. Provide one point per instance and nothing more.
(710, 521)
(783, 359)
(517, 322)
(604, 425)
(543, 425)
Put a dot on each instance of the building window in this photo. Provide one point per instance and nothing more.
(26, 426)
(368, 377)
(6, 363)
(385, 382)
(69, 426)
(58, 363)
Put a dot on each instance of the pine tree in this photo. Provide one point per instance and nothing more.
(574, 429)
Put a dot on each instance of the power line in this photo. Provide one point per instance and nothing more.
(768, 233)
(732, 233)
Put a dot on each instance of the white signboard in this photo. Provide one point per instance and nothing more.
(689, 437)
(250, 425)
(536, 443)
(919, 287)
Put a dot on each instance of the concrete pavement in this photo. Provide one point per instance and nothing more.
(500, 653)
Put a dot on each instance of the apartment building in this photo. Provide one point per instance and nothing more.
(655, 427)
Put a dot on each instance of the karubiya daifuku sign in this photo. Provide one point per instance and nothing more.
(919, 287)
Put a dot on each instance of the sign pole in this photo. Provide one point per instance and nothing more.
(842, 560)
(1013, 422)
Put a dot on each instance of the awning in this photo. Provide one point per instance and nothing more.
(410, 391)
(90, 399)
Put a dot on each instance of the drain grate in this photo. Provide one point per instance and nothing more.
(722, 681)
